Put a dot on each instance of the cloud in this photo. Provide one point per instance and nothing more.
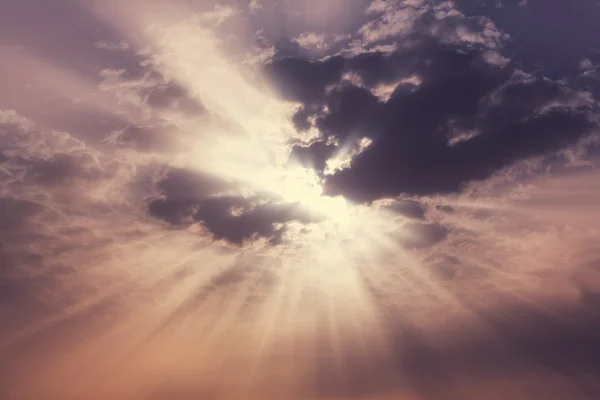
(189, 197)
(304, 80)
(149, 90)
(219, 14)
(534, 257)
(408, 208)
(585, 64)
(397, 18)
(238, 220)
(52, 189)
(318, 41)
(181, 192)
(471, 112)
(47, 161)
(11, 119)
(179, 243)
(311, 39)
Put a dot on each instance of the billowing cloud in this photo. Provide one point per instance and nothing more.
(469, 112)
(283, 200)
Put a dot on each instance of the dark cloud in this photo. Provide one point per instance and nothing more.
(302, 115)
(176, 212)
(181, 184)
(253, 221)
(191, 197)
(407, 208)
(182, 191)
(304, 80)
(470, 114)
(314, 155)
(352, 110)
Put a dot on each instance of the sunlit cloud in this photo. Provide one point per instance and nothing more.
(170, 227)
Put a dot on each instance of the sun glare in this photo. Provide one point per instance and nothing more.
(245, 160)
(252, 131)
(302, 185)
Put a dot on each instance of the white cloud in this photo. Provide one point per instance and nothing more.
(12, 118)
(259, 56)
(398, 20)
(311, 39)
(586, 64)
(446, 9)
(495, 58)
(219, 14)
(319, 41)
(384, 91)
(343, 157)
(468, 31)
(357, 47)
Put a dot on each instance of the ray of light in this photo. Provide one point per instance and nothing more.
(342, 306)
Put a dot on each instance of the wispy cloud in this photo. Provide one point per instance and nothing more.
(387, 206)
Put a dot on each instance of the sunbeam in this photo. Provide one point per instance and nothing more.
(297, 200)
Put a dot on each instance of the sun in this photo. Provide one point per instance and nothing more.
(302, 185)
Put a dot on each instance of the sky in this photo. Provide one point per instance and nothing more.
(299, 199)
